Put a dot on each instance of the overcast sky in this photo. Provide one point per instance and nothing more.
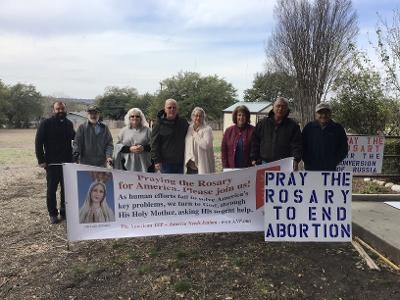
(76, 48)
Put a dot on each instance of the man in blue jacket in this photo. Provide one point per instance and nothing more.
(324, 141)
(53, 146)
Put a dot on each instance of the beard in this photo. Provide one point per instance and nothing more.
(61, 115)
(93, 120)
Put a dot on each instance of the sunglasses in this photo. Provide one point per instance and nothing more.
(134, 116)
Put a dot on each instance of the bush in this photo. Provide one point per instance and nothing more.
(391, 165)
(372, 188)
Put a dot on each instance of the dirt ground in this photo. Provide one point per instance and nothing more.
(37, 262)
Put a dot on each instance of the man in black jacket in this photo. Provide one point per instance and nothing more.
(276, 137)
(168, 139)
(324, 141)
(53, 146)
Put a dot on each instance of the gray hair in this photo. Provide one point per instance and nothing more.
(202, 113)
(284, 100)
(143, 121)
(172, 101)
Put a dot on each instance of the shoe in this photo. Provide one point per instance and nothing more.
(62, 214)
(53, 220)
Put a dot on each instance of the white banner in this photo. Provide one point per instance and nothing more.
(365, 155)
(308, 206)
(395, 204)
(103, 203)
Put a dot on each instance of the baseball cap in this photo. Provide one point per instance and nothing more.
(93, 108)
(323, 105)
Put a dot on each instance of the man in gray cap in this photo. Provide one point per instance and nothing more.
(324, 141)
(93, 143)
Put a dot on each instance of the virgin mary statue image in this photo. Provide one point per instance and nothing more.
(95, 208)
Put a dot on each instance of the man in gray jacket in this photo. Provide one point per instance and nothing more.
(93, 143)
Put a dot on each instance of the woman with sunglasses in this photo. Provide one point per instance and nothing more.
(133, 144)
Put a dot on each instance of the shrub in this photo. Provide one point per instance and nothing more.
(391, 165)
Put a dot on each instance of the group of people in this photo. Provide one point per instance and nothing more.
(322, 144)
(175, 146)
(172, 146)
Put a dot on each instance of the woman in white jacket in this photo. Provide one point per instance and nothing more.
(199, 152)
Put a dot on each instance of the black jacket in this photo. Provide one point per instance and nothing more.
(168, 139)
(273, 141)
(53, 142)
(324, 148)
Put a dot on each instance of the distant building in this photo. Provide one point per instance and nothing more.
(257, 110)
(77, 118)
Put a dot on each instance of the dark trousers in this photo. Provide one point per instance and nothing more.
(54, 177)
(172, 168)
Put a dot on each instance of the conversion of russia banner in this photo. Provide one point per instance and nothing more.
(103, 203)
(365, 154)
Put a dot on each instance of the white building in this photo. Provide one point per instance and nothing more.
(258, 110)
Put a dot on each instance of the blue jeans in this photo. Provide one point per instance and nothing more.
(172, 168)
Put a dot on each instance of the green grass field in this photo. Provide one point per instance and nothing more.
(18, 145)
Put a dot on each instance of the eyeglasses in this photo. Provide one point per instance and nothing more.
(324, 112)
(134, 116)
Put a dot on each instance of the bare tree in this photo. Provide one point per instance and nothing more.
(310, 42)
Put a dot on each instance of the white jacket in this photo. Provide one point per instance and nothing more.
(199, 148)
